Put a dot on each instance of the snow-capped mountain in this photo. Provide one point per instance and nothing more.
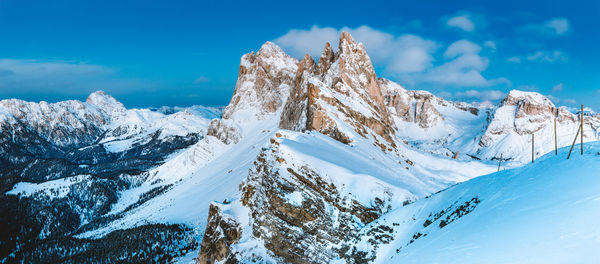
(63, 166)
(311, 162)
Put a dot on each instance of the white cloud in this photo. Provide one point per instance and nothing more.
(552, 98)
(547, 56)
(201, 79)
(298, 42)
(490, 44)
(557, 88)
(464, 69)
(483, 95)
(23, 76)
(461, 47)
(554, 27)
(408, 58)
(514, 59)
(558, 25)
(557, 100)
(401, 54)
(463, 22)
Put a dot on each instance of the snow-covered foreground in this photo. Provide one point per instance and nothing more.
(546, 212)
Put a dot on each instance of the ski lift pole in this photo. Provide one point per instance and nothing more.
(581, 128)
(574, 140)
(532, 148)
(499, 161)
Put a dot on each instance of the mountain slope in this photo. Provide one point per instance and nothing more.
(544, 212)
(64, 165)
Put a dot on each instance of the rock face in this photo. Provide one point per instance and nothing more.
(66, 124)
(411, 106)
(263, 83)
(298, 214)
(222, 233)
(338, 95)
(522, 114)
(225, 130)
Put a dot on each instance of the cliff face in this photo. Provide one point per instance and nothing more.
(296, 210)
(522, 114)
(263, 86)
(411, 106)
(264, 82)
(339, 97)
(66, 124)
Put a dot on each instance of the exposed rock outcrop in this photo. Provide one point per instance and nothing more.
(316, 226)
(222, 232)
(225, 130)
(411, 106)
(66, 124)
(263, 83)
(523, 113)
(338, 94)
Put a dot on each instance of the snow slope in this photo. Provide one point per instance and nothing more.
(544, 212)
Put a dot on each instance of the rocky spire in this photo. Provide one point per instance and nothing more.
(326, 59)
(340, 93)
(357, 70)
(293, 116)
(263, 81)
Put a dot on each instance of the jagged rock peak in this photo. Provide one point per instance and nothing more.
(529, 103)
(341, 91)
(327, 58)
(308, 61)
(411, 106)
(263, 82)
(270, 47)
(357, 70)
(346, 40)
(106, 102)
(389, 87)
(327, 55)
(514, 97)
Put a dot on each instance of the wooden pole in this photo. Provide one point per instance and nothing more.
(499, 161)
(581, 128)
(532, 148)
(456, 155)
(555, 139)
(574, 140)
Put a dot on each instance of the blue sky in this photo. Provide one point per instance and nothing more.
(152, 53)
